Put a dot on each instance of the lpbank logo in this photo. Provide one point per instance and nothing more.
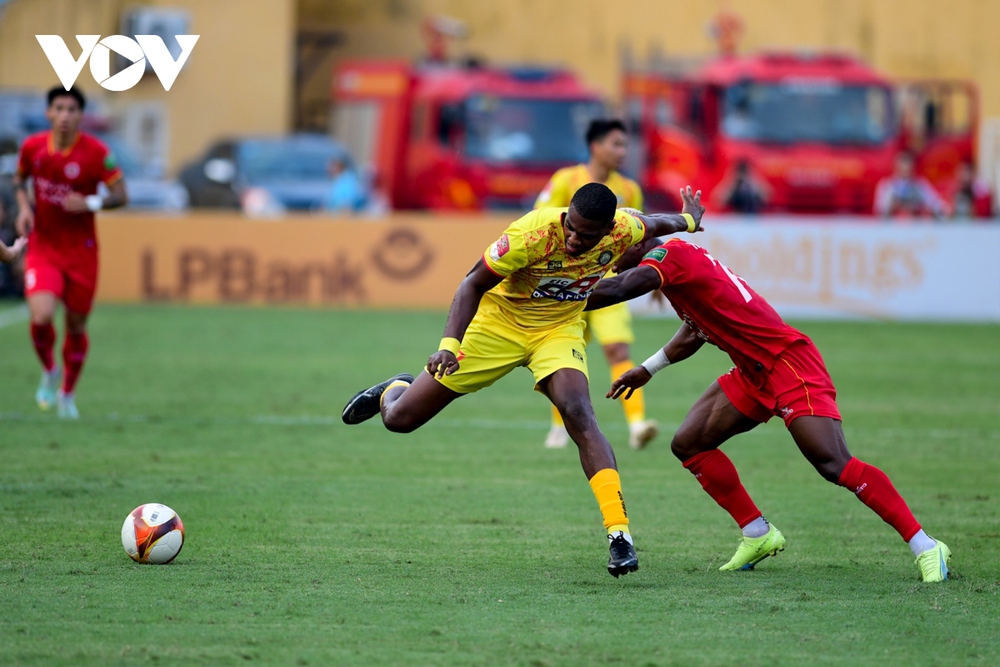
(138, 51)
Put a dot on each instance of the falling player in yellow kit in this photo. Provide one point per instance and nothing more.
(520, 305)
(607, 144)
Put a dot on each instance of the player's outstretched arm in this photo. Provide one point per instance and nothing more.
(623, 287)
(663, 224)
(477, 282)
(684, 343)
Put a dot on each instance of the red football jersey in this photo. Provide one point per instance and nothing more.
(721, 307)
(79, 168)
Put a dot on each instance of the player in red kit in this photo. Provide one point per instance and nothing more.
(778, 371)
(65, 166)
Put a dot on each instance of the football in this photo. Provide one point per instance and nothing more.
(153, 533)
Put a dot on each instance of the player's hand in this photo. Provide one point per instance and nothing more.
(692, 205)
(14, 251)
(629, 381)
(442, 363)
(25, 222)
(74, 202)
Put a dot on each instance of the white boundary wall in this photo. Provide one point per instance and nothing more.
(837, 267)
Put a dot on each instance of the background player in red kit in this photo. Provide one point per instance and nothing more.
(778, 371)
(65, 166)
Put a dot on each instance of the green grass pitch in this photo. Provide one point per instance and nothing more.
(468, 543)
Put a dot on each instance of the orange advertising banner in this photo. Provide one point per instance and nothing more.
(405, 261)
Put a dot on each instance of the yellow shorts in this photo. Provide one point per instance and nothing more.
(610, 325)
(494, 345)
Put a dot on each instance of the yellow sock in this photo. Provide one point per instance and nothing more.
(557, 419)
(607, 487)
(397, 383)
(635, 407)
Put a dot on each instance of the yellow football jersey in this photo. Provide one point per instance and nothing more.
(543, 286)
(565, 182)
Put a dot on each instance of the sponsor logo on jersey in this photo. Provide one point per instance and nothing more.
(554, 264)
(566, 289)
(656, 254)
(698, 332)
(110, 161)
(72, 170)
(605, 257)
(578, 354)
(500, 248)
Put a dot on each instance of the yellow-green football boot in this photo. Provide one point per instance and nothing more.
(933, 563)
(753, 550)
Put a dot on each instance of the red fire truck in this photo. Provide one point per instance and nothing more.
(448, 136)
(812, 132)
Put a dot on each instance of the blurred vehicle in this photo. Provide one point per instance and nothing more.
(818, 130)
(264, 175)
(448, 136)
(147, 189)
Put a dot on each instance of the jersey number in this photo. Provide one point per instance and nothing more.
(732, 276)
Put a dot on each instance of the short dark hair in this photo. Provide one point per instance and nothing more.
(73, 92)
(595, 201)
(602, 127)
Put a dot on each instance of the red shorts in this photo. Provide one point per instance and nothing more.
(799, 386)
(73, 279)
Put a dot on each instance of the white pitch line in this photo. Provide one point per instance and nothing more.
(294, 420)
(13, 316)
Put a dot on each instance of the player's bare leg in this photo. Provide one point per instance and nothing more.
(569, 391)
(712, 421)
(641, 431)
(74, 354)
(821, 440)
(42, 309)
(405, 403)
(406, 408)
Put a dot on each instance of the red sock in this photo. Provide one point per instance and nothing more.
(43, 337)
(74, 353)
(720, 480)
(874, 489)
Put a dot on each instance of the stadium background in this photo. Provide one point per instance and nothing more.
(266, 66)
(246, 60)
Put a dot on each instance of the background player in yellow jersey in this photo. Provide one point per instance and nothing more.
(607, 143)
(520, 305)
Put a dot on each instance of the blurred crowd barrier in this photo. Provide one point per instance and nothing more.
(815, 268)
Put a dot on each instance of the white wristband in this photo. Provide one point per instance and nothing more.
(94, 202)
(657, 362)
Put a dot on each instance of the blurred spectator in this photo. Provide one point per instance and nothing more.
(904, 194)
(971, 196)
(741, 191)
(346, 193)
